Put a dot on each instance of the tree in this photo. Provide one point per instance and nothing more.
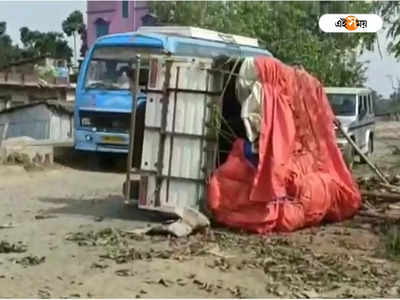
(391, 11)
(38, 43)
(3, 27)
(288, 29)
(72, 25)
(8, 52)
(83, 33)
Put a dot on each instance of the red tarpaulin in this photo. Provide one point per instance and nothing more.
(301, 178)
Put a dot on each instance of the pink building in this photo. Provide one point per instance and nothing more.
(107, 17)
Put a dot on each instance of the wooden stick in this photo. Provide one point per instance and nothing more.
(378, 215)
(392, 188)
(387, 196)
(364, 157)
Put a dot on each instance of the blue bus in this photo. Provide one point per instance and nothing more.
(103, 95)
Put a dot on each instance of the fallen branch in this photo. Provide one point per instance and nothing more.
(379, 215)
(363, 156)
(386, 196)
(392, 188)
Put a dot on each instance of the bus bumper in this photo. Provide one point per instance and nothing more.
(101, 141)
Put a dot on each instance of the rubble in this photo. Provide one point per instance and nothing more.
(7, 247)
(23, 151)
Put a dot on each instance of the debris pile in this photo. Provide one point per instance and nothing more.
(23, 151)
(381, 200)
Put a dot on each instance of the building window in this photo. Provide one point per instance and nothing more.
(125, 9)
(101, 28)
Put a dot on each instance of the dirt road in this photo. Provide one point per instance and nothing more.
(68, 238)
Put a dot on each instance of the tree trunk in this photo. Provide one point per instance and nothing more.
(75, 58)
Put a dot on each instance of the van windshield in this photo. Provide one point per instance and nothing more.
(343, 104)
(109, 68)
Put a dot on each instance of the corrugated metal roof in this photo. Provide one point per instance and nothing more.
(66, 107)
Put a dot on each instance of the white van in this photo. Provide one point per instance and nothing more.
(354, 108)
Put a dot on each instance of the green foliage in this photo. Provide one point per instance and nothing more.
(73, 23)
(3, 27)
(391, 11)
(38, 43)
(35, 43)
(288, 29)
(8, 52)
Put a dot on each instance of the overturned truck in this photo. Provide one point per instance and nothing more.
(250, 140)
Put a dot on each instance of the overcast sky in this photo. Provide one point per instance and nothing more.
(48, 16)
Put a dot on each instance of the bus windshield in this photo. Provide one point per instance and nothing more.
(109, 68)
(343, 104)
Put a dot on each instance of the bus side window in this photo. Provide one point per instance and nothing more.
(359, 104)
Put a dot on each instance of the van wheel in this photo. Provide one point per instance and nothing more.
(371, 145)
(349, 155)
(370, 150)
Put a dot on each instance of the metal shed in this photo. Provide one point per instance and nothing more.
(39, 120)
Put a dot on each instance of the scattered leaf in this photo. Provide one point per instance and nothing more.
(31, 260)
(42, 217)
(124, 273)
